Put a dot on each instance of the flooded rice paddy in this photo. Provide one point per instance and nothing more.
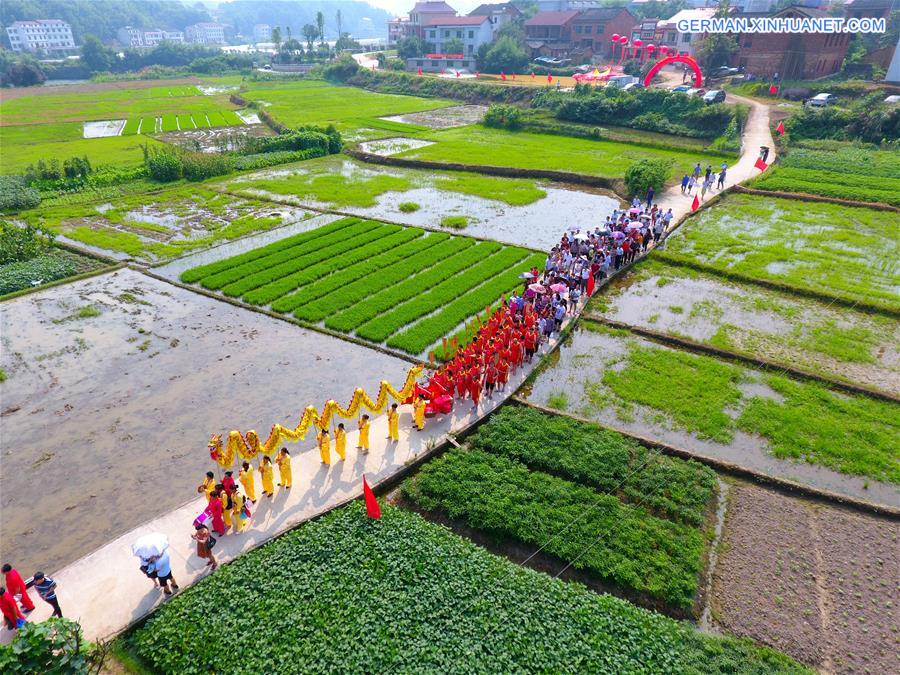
(215, 139)
(833, 341)
(111, 407)
(385, 147)
(576, 371)
(443, 118)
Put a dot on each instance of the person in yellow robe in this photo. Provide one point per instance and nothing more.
(325, 446)
(284, 467)
(266, 472)
(248, 479)
(237, 505)
(226, 508)
(393, 416)
(208, 484)
(363, 434)
(340, 441)
(419, 410)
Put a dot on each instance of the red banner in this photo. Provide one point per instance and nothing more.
(372, 508)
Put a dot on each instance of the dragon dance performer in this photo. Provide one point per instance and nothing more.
(393, 417)
(208, 484)
(237, 508)
(248, 480)
(324, 446)
(340, 441)
(266, 472)
(225, 500)
(419, 410)
(363, 434)
(284, 468)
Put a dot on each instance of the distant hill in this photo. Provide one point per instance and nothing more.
(359, 19)
(104, 17)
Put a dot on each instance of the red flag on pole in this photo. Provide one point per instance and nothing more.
(549, 78)
(372, 508)
(503, 76)
(457, 73)
(760, 164)
(419, 72)
(514, 77)
(476, 74)
(696, 204)
(773, 90)
(780, 128)
(532, 75)
(590, 285)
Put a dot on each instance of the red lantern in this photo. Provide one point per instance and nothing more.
(638, 42)
(663, 49)
(615, 37)
(623, 40)
(651, 49)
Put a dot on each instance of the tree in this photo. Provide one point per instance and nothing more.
(276, 37)
(411, 47)
(339, 18)
(96, 57)
(644, 173)
(454, 46)
(716, 49)
(320, 25)
(310, 32)
(346, 42)
(504, 55)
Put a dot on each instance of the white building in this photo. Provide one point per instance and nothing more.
(684, 43)
(48, 35)
(205, 34)
(129, 36)
(154, 37)
(472, 31)
(262, 32)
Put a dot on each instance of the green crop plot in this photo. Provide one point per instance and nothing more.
(117, 151)
(843, 251)
(185, 122)
(376, 279)
(169, 123)
(403, 595)
(496, 147)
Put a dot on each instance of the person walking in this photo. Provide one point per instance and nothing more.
(691, 183)
(247, 478)
(650, 193)
(340, 441)
(324, 446)
(419, 413)
(363, 434)
(46, 588)
(208, 484)
(237, 510)
(205, 542)
(284, 468)
(12, 617)
(162, 565)
(15, 584)
(721, 182)
(708, 173)
(267, 474)
(684, 183)
(703, 189)
(393, 417)
(227, 505)
(697, 171)
(216, 511)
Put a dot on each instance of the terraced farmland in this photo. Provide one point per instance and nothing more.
(389, 284)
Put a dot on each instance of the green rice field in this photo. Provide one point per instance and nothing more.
(401, 286)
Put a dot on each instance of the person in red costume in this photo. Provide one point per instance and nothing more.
(11, 614)
(15, 584)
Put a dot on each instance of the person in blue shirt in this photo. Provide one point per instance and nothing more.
(163, 568)
(46, 588)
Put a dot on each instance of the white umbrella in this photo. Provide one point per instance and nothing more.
(526, 275)
(150, 545)
(574, 228)
(633, 226)
(537, 288)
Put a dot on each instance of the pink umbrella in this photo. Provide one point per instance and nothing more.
(633, 226)
(537, 288)
(558, 288)
(634, 210)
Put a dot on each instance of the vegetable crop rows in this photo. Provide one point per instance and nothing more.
(673, 488)
(615, 542)
(351, 595)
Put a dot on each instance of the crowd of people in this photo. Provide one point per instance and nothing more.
(703, 180)
(15, 602)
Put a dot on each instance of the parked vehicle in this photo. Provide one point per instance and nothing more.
(723, 71)
(714, 96)
(631, 86)
(821, 100)
(893, 98)
(683, 88)
(550, 61)
(697, 91)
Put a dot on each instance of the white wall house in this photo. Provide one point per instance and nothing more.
(472, 31)
(205, 34)
(48, 35)
(685, 43)
(262, 32)
(154, 37)
(129, 36)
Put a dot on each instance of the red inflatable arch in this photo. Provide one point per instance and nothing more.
(688, 60)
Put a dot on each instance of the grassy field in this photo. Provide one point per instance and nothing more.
(497, 147)
(386, 283)
(110, 104)
(117, 151)
(339, 182)
(311, 102)
(847, 252)
(162, 225)
(347, 594)
(837, 342)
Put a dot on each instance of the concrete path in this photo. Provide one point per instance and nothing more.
(106, 592)
(756, 133)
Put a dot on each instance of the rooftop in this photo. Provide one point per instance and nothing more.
(492, 8)
(455, 20)
(551, 18)
(433, 8)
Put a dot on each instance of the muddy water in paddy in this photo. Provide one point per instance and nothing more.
(763, 323)
(105, 419)
(586, 355)
(443, 118)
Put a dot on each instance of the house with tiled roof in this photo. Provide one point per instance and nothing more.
(549, 33)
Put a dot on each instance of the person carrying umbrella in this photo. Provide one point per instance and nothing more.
(162, 565)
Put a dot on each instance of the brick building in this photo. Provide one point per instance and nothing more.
(592, 29)
(550, 33)
(793, 56)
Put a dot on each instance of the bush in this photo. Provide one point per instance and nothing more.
(645, 173)
(503, 116)
(163, 164)
(202, 165)
(15, 195)
(27, 273)
(23, 243)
